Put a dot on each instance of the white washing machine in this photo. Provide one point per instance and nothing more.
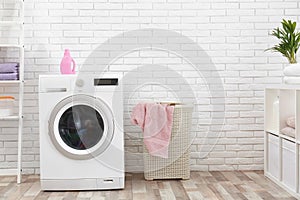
(81, 132)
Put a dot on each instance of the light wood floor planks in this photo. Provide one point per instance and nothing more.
(233, 185)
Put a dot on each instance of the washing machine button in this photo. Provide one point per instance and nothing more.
(80, 83)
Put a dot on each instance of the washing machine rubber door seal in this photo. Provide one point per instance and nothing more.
(99, 106)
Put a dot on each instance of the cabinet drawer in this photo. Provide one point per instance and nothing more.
(273, 139)
(289, 164)
(273, 155)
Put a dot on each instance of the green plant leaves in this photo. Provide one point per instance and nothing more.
(289, 40)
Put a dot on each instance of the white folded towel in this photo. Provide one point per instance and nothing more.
(291, 80)
(292, 70)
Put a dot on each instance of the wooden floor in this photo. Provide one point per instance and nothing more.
(202, 185)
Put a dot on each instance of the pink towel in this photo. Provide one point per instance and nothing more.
(156, 122)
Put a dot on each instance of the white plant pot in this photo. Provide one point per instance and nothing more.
(292, 74)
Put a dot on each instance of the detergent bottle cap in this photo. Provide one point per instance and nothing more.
(67, 52)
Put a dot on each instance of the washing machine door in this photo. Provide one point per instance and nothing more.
(81, 126)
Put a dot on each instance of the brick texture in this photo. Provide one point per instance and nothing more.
(234, 33)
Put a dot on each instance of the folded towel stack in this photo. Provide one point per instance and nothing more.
(291, 75)
(9, 71)
(289, 130)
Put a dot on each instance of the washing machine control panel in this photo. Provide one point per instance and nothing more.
(105, 81)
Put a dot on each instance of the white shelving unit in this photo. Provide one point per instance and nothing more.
(281, 151)
(17, 83)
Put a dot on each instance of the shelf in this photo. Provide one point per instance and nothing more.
(10, 82)
(272, 132)
(12, 45)
(282, 136)
(283, 87)
(288, 137)
(8, 172)
(14, 117)
(18, 117)
(10, 23)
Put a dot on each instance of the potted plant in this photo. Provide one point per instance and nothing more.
(288, 46)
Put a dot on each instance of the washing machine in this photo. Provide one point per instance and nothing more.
(81, 132)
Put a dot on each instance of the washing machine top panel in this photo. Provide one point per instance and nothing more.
(83, 83)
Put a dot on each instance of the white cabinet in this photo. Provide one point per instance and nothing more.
(281, 150)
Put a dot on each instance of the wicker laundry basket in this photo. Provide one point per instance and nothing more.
(177, 165)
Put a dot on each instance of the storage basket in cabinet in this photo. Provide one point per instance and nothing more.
(177, 165)
(273, 155)
(289, 164)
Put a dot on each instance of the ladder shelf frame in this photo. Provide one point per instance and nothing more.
(20, 84)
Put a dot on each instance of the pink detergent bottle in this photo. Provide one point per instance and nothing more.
(66, 62)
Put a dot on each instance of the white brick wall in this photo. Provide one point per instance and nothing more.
(233, 32)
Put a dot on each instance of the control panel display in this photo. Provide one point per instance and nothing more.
(105, 81)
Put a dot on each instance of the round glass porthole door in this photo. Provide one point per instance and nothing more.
(81, 126)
